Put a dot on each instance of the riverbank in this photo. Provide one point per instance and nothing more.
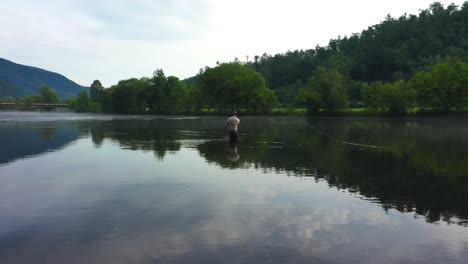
(351, 112)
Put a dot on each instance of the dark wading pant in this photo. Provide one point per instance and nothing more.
(233, 136)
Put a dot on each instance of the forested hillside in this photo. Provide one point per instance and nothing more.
(19, 80)
(393, 50)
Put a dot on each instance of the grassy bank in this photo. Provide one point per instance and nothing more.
(350, 112)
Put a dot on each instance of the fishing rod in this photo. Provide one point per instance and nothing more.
(335, 138)
(320, 131)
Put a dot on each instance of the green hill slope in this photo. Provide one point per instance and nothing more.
(19, 80)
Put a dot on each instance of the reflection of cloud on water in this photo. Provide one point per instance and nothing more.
(136, 209)
(320, 234)
(223, 232)
(227, 220)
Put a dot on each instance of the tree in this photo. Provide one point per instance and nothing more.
(127, 97)
(156, 93)
(96, 91)
(32, 99)
(309, 99)
(82, 102)
(48, 95)
(394, 98)
(175, 93)
(325, 90)
(234, 86)
(193, 101)
(444, 86)
(354, 91)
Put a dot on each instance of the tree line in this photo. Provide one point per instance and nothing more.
(46, 95)
(441, 87)
(226, 87)
(234, 86)
(410, 62)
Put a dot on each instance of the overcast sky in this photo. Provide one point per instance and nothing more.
(111, 40)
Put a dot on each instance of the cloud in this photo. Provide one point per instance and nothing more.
(114, 40)
(150, 20)
(108, 40)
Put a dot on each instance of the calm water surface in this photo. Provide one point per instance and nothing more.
(115, 189)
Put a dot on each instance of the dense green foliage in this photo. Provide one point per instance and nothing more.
(156, 95)
(81, 103)
(7, 99)
(325, 90)
(414, 61)
(444, 86)
(233, 86)
(394, 98)
(96, 91)
(226, 87)
(26, 102)
(48, 95)
(395, 49)
(18, 81)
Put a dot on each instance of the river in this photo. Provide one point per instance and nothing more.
(152, 189)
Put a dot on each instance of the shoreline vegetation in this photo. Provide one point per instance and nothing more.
(281, 112)
(414, 65)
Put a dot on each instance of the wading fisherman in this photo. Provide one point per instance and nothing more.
(232, 124)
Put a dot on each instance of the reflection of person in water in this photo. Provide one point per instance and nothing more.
(232, 124)
(232, 154)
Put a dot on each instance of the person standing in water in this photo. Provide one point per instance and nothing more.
(233, 124)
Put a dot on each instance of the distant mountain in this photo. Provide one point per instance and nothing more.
(19, 80)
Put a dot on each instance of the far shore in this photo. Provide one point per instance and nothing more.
(283, 112)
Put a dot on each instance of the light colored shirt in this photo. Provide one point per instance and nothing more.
(232, 123)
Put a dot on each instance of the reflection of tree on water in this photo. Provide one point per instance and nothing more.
(138, 135)
(421, 172)
(97, 133)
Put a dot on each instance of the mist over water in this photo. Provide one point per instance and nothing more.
(152, 189)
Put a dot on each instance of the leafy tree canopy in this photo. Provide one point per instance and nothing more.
(234, 86)
(48, 95)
